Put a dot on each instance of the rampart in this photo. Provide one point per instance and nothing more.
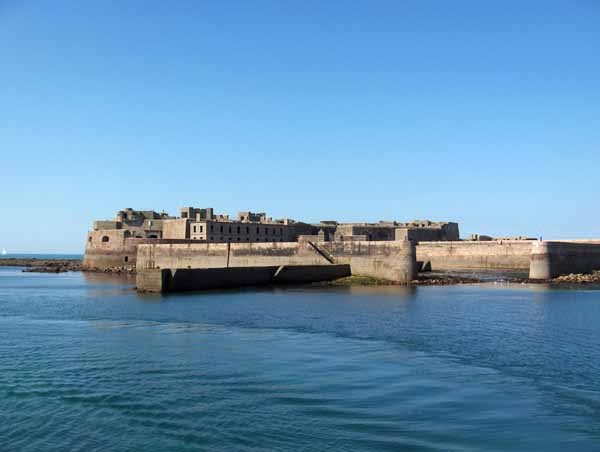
(115, 248)
(551, 259)
(475, 255)
(184, 279)
(394, 261)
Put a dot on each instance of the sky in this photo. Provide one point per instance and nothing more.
(484, 113)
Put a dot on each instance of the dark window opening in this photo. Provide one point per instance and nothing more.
(90, 239)
(126, 259)
(105, 238)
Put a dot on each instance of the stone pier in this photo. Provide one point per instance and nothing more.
(264, 263)
(552, 259)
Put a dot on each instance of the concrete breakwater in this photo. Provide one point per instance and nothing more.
(188, 279)
(273, 262)
(497, 254)
(552, 259)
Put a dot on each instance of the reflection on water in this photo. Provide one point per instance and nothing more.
(88, 364)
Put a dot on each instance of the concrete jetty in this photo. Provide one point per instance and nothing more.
(196, 266)
(551, 259)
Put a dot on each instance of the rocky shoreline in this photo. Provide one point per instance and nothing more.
(35, 265)
(43, 265)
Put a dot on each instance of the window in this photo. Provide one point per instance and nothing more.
(247, 230)
(257, 231)
(212, 227)
(105, 238)
(230, 229)
(247, 239)
(201, 228)
(212, 238)
(266, 231)
(221, 228)
(238, 229)
(280, 231)
(90, 239)
(194, 228)
(238, 239)
(126, 258)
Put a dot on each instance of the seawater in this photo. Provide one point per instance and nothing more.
(87, 364)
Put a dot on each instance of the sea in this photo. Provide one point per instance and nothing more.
(87, 364)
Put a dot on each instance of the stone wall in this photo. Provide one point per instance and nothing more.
(176, 228)
(475, 255)
(184, 279)
(109, 249)
(387, 260)
(552, 259)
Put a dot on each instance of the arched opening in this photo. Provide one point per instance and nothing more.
(152, 236)
(126, 259)
(105, 238)
(126, 234)
(90, 239)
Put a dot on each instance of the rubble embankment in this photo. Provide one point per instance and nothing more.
(577, 278)
(43, 265)
(36, 265)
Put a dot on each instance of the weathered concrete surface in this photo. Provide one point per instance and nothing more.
(152, 280)
(475, 255)
(552, 259)
(387, 260)
(109, 249)
(294, 274)
(393, 260)
(189, 279)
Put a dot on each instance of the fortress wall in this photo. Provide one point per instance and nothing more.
(393, 260)
(502, 254)
(387, 260)
(186, 279)
(218, 255)
(118, 251)
(552, 259)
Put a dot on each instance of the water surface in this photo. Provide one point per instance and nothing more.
(87, 364)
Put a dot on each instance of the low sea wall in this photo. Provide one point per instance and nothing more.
(112, 249)
(498, 254)
(189, 279)
(386, 259)
(550, 259)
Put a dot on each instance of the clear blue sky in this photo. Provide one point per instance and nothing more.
(485, 113)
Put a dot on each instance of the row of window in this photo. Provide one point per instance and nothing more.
(274, 231)
(239, 239)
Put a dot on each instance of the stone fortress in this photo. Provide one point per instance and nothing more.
(201, 249)
(113, 243)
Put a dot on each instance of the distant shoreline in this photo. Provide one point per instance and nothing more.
(42, 265)
(62, 265)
